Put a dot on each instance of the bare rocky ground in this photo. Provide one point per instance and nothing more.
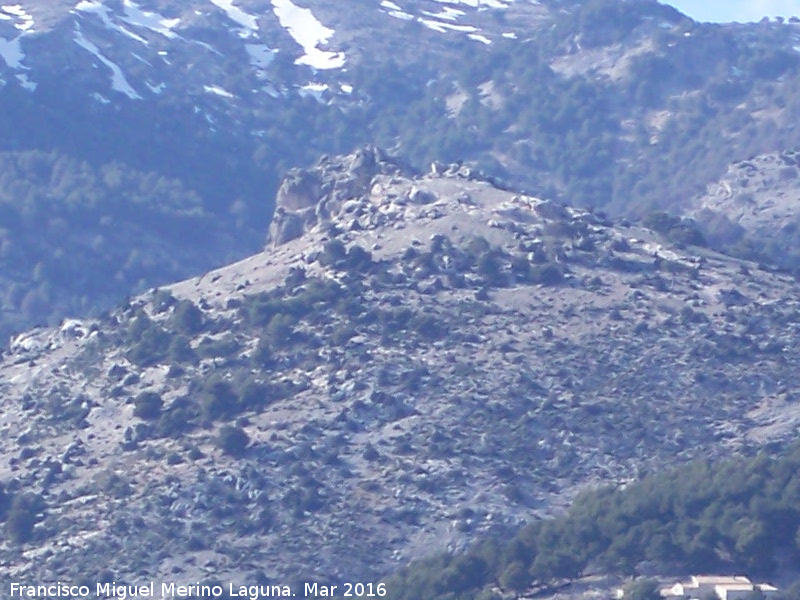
(416, 359)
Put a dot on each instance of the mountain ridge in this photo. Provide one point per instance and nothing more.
(626, 107)
(433, 359)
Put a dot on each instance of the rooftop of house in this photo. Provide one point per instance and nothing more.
(698, 580)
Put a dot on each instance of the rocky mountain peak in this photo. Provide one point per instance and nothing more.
(308, 197)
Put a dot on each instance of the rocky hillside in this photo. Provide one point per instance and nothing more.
(414, 360)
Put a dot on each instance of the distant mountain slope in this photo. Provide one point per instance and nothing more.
(74, 237)
(416, 361)
(627, 106)
(754, 209)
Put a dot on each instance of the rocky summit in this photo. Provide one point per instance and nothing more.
(416, 360)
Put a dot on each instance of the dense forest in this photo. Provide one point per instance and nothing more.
(741, 515)
(75, 237)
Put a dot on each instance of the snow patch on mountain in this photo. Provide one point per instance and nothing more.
(443, 27)
(25, 21)
(261, 55)
(479, 38)
(480, 4)
(104, 14)
(135, 15)
(218, 91)
(307, 31)
(448, 14)
(395, 11)
(12, 53)
(248, 22)
(314, 90)
(118, 81)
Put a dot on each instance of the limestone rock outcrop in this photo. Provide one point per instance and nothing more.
(308, 197)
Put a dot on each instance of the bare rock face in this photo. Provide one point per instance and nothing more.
(300, 189)
(311, 196)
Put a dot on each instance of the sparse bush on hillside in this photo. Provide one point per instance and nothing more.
(549, 274)
(188, 319)
(180, 417)
(254, 395)
(148, 405)
(280, 330)
(262, 357)
(516, 578)
(22, 517)
(233, 440)
(180, 352)
(218, 399)
(643, 588)
(225, 346)
(358, 260)
(149, 342)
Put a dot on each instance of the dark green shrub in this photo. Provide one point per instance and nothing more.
(643, 588)
(427, 326)
(22, 517)
(490, 266)
(549, 274)
(333, 252)
(224, 347)
(150, 343)
(515, 578)
(188, 318)
(218, 399)
(148, 405)
(262, 355)
(5, 503)
(358, 259)
(280, 330)
(342, 334)
(233, 440)
(180, 418)
(254, 395)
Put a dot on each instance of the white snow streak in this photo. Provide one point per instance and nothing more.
(448, 14)
(314, 90)
(479, 38)
(103, 12)
(217, 90)
(25, 82)
(149, 20)
(237, 15)
(307, 31)
(11, 50)
(480, 3)
(118, 81)
(442, 27)
(12, 53)
(16, 10)
(399, 14)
